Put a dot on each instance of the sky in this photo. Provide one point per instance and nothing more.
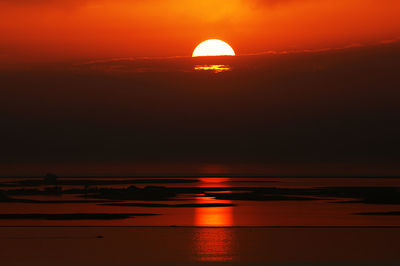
(65, 30)
(332, 112)
(109, 87)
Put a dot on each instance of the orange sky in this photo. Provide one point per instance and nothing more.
(46, 30)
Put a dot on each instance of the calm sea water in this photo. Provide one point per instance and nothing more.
(198, 246)
(320, 212)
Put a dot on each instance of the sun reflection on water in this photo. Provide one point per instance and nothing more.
(213, 216)
(213, 244)
(213, 68)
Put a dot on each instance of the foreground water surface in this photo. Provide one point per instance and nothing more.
(194, 245)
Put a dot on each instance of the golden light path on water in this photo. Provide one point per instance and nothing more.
(214, 68)
(213, 244)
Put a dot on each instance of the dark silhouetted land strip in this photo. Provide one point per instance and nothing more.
(205, 175)
(93, 182)
(254, 196)
(379, 213)
(72, 216)
(342, 195)
(12, 200)
(152, 193)
(5, 198)
(252, 181)
(186, 205)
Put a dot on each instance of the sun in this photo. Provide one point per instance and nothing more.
(213, 47)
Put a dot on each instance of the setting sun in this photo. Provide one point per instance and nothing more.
(213, 47)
